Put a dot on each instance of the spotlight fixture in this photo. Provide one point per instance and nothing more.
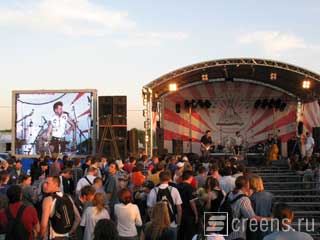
(173, 87)
(271, 103)
(186, 103)
(273, 76)
(194, 103)
(205, 77)
(277, 103)
(306, 84)
(257, 103)
(265, 103)
(201, 103)
(207, 103)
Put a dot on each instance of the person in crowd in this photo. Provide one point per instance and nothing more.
(284, 214)
(227, 182)
(104, 167)
(214, 172)
(122, 175)
(178, 172)
(130, 165)
(189, 218)
(309, 145)
(49, 211)
(16, 172)
(55, 168)
(85, 199)
(140, 198)
(26, 214)
(171, 195)
(67, 185)
(239, 170)
(65, 162)
(95, 165)
(159, 226)
(105, 229)
(87, 163)
(92, 215)
(153, 163)
(241, 208)
(112, 188)
(172, 164)
(77, 172)
(4, 179)
(98, 185)
(127, 216)
(86, 180)
(261, 203)
(29, 197)
(201, 177)
(154, 177)
(215, 195)
(137, 177)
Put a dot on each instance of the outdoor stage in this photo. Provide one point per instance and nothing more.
(254, 96)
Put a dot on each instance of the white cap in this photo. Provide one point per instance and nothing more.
(180, 164)
(185, 159)
(119, 164)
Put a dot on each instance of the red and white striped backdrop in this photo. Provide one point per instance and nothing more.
(311, 116)
(232, 102)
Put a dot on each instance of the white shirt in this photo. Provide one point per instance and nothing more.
(309, 143)
(90, 217)
(59, 125)
(83, 182)
(239, 140)
(152, 198)
(128, 217)
(227, 183)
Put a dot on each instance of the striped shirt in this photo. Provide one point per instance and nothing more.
(242, 209)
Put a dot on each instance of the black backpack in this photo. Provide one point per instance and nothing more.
(164, 195)
(16, 229)
(64, 216)
(226, 206)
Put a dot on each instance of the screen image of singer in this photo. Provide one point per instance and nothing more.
(51, 122)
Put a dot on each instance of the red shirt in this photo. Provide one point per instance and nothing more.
(29, 217)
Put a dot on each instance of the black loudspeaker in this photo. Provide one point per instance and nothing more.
(133, 141)
(105, 106)
(316, 137)
(160, 140)
(178, 108)
(177, 146)
(300, 128)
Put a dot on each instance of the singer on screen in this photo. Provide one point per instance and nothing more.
(60, 125)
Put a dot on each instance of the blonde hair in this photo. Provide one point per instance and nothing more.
(256, 183)
(160, 221)
(98, 202)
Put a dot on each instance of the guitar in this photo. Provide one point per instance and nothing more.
(205, 148)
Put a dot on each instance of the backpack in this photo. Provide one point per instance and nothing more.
(226, 206)
(64, 216)
(88, 180)
(16, 230)
(164, 195)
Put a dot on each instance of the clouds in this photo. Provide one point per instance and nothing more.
(80, 18)
(272, 42)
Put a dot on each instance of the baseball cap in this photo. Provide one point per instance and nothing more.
(180, 164)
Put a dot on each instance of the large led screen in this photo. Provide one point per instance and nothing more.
(48, 122)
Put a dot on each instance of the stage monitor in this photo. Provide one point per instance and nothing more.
(54, 121)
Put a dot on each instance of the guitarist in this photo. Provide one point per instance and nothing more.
(206, 143)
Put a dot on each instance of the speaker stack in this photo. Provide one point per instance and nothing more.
(116, 107)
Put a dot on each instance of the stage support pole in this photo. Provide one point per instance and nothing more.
(190, 129)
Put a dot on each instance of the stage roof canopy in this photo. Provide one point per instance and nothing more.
(278, 75)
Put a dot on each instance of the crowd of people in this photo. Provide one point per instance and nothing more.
(144, 198)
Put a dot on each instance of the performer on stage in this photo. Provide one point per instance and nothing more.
(239, 143)
(271, 149)
(309, 145)
(58, 128)
(206, 143)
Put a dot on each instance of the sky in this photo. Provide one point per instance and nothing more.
(119, 46)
